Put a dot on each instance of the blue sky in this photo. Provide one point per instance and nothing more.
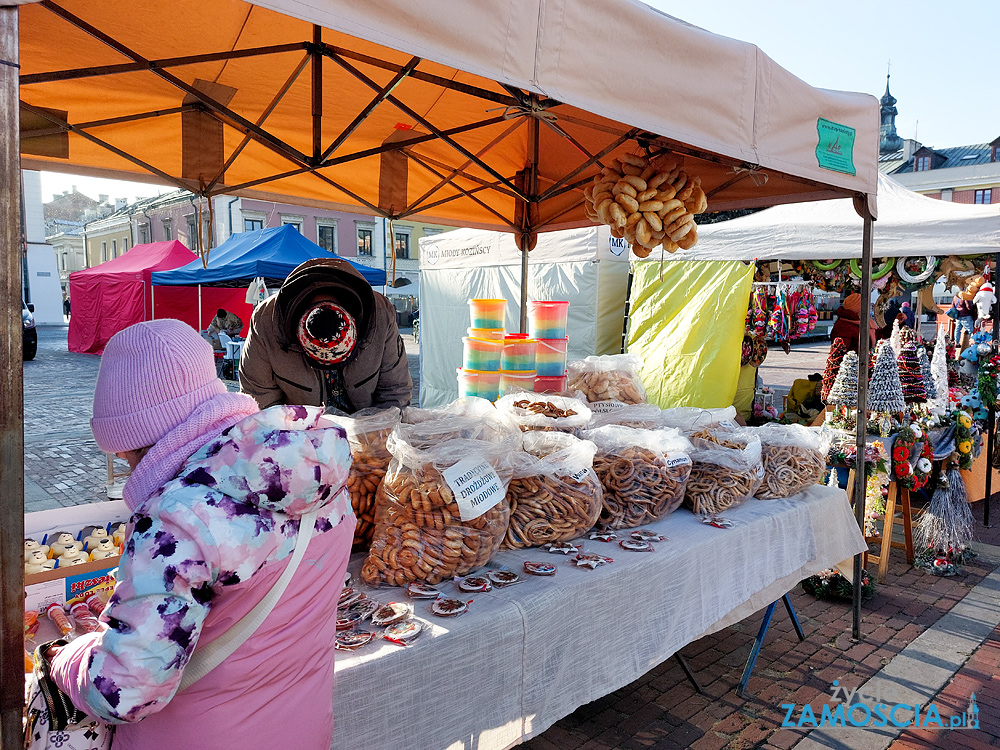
(943, 55)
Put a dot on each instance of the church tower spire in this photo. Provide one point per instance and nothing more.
(889, 142)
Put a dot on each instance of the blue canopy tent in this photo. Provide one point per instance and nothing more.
(270, 254)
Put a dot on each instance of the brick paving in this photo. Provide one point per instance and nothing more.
(660, 710)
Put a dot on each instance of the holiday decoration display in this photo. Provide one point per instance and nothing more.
(912, 472)
(896, 340)
(964, 439)
(831, 584)
(845, 388)
(910, 377)
(939, 370)
(647, 202)
(885, 393)
(945, 528)
(925, 374)
(837, 351)
(989, 364)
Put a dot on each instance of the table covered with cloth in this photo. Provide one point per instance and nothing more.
(526, 655)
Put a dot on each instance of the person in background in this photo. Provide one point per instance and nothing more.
(217, 492)
(224, 322)
(848, 323)
(66, 306)
(326, 339)
(965, 315)
(893, 312)
(908, 317)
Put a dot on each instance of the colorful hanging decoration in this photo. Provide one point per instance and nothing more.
(915, 475)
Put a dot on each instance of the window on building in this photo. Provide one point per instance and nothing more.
(143, 234)
(365, 241)
(114, 248)
(984, 197)
(295, 221)
(326, 235)
(996, 153)
(432, 231)
(104, 251)
(402, 244)
(62, 261)
(923, 163)
(252, 225)
(168, 233)
(192, 224)
(124, 245)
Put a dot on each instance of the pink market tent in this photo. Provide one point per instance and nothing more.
(114, 295)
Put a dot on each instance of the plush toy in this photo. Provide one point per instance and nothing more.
(984, 301)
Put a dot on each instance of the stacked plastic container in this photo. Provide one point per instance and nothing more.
(518, 364)
(547, 325)
(483, 349)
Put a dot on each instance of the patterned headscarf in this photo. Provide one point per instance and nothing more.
(327, 333)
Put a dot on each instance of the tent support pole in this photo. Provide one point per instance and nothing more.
(524, 283)
(860, 484)
(11, 394)
(199, 308)
(152, 301)
(628, 307)
(991, 422)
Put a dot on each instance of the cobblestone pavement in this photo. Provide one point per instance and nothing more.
(62, 464)
(661, 710)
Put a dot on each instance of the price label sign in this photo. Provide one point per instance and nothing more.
(475, 485)
(603, 407)
(677, 459)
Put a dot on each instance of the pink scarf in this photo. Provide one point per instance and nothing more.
(165, 459)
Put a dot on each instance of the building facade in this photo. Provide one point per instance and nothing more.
(180, 214)
(961, 174)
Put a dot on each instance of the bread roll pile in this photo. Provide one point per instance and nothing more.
(649, 203)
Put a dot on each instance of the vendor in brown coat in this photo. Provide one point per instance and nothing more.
(326, 339)
(848, 323)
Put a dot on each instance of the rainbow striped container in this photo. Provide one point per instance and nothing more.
(488, 313)
(482, 384)
(550, 358)
(482, 355)
(521, 380)
(486, 333)
(547, 320)
(518, 353)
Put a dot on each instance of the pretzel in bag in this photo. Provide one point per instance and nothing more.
(608, 378)
(794, 459)
(643, 473)
(533, 412)
(555, 495)
(367, 432)
(420, 534)
(727, 471)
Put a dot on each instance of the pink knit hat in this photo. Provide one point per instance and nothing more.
(152, 376)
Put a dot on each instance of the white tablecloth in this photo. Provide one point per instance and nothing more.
(525, 656)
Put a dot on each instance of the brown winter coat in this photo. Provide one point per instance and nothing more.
(275, 370)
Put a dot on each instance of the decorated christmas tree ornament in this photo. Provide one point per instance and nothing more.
(939, 371)
(925, 374)
(884, 391)
(895, 340)
(837, 351)
(832, 480)
(910, 376)
(845, 388)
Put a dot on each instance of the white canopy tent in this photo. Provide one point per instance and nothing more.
(908, 224)
(587, 267)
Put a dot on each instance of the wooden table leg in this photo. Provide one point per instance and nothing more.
(890, 517)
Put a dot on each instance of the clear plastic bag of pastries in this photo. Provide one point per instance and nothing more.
(531, 411)
(727, 470)
(794, 458)
(367, 432)
(607, 378)
(643, 473)
(442, 509)
(555, 494)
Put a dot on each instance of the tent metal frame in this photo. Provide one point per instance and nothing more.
(525, 185)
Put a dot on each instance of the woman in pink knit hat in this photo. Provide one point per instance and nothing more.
(218, 491)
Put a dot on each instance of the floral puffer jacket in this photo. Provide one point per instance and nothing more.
(203, 551)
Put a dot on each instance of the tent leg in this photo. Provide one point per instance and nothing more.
(152, 301)
(862, 420)
(11, 393)
(199, 308)
(524, 283)
(628, 308)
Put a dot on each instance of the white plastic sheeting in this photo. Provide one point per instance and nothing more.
(582, 266)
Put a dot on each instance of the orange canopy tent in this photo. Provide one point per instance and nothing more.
(481, 113)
